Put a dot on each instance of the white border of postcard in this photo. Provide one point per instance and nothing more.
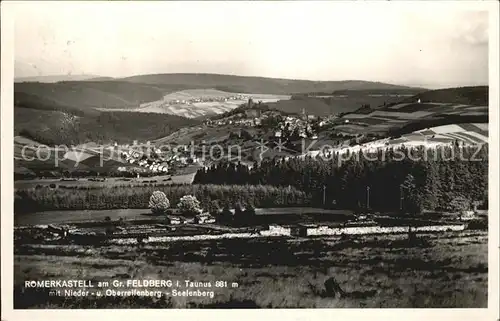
(491, 313)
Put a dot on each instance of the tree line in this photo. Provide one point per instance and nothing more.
(122, 197)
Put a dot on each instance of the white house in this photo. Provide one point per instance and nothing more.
(204, 219)
(174, 220)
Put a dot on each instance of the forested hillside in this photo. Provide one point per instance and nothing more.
(56, 127)
(262, 85)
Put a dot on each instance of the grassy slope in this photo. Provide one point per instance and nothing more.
(331, 105)
(472, 95)
(85, 95)
(276, 273)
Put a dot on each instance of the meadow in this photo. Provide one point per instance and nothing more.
(183, 103)
(447, 270)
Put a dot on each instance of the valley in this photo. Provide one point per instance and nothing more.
(282, 172)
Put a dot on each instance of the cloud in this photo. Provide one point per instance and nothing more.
(473, 29)
(319, 40)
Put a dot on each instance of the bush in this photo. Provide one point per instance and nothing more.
(250, 210)
(158, 203)
(213, 207)
(189, 205)
(478, 224)
(110, 230)
(238, 210)
(459, 204)
(226, 214)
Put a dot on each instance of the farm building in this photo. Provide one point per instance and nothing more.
(204, 218)
(276, 230)
(174, 220)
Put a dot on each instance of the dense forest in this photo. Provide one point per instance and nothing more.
(415, 179)
(55, 127)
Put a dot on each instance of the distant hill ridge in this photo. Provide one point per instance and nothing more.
(87, 95)
(58, 78)
(231, 83)
(251, 84)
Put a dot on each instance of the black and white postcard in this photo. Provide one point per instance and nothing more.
(338, 158)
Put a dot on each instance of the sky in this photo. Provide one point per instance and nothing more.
(426, 45)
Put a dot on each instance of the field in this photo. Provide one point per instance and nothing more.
(399, 116)
(195, 103)
(472, 134)
(110, 181)
(428, 109)
(197, 134)
(447, 270)
(468, 133)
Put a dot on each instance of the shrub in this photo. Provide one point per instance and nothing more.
(158, 203)
(189, 205)
(238, 210)
(110, 230)
(250, 210)
(478, 224)
(226, 214)
(213, 207)
(459, 204)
